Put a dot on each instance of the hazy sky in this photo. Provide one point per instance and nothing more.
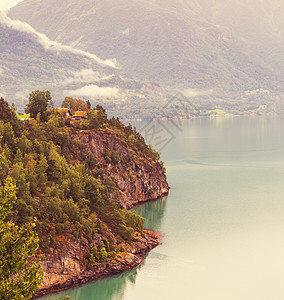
(5, 4)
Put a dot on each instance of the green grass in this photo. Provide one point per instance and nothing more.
(27, 116)
(216, 111)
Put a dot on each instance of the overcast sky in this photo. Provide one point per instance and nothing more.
(5, 4)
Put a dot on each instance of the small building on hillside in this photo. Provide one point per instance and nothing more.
(64, 112)
(23, 117)
(80, 115)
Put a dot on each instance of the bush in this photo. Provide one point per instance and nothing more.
(107, 156)
(133, 220)
(103, 254)
(93, 256)
(115, 159)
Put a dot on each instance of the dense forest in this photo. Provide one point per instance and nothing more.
(58, 185)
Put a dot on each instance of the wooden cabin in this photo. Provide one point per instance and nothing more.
(64, 112)
(80, 115)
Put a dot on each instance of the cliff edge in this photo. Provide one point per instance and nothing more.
(132, 178)
(138, 178)
(70, 266)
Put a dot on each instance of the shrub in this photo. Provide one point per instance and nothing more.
(107, 156)
(103, 254)
(115, 159)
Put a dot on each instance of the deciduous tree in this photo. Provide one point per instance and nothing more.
(39, 102)
(19, 279)
(8, 115)
(74, 104)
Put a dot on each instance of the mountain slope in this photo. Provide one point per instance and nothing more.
(29, 61)
(197, 44)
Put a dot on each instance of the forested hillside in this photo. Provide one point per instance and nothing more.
(73, 195)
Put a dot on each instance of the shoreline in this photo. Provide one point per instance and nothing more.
(123, 262)
(196, 117)
(68, 264)
(132, 206)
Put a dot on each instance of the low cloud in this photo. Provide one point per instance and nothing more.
(191, 93)
(51, 45)
(94, 91)
(85, 76)
(21, 95)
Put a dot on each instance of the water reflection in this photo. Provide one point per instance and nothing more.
(108, 289)
(223, 220)
(114, 288)
(153, 212)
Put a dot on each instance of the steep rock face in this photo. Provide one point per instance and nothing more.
(69, 266)
(139, 178)
(60, 265)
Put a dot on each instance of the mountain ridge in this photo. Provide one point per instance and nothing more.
(174, 43)
(29, 61)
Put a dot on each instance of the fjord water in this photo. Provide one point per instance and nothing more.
(222, 223)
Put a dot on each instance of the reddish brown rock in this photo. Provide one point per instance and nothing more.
(68, 267)
(140, 179)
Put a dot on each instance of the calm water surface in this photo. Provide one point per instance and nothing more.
(223, 222)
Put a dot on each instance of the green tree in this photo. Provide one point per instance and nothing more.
(101, 115)
(39, 102)
(19, 279)
(74, 104)
(115, 158)
(88, 103)
(8, 115)
(103, 254)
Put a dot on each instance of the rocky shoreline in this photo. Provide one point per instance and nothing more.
(138, 179)
(68, 269)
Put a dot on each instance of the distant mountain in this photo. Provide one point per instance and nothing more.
(29, 60)
(206, 44)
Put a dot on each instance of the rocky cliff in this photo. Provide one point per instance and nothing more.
(70, 266)
(138, 178)
(132, 177)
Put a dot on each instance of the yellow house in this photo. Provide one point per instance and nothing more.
(80, 115)
(64, 112)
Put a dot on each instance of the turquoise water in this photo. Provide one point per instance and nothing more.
(222, 223)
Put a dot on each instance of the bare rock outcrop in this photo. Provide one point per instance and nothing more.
(139, 178)
(69, 266)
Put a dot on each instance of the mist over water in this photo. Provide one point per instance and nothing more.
(223, 221)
